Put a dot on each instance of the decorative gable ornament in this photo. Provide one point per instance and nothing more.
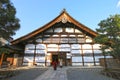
(64, 20)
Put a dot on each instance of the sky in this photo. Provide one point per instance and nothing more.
(34, 14)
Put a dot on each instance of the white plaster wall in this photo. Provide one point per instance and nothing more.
(97, 51)
(52, 45)
(76, 51)
(58, 30)
(40, 59)
(29, 46)
(64, 45)
(88, 40)
(87, 51)
(88, 59)
(96, 46)
(28, 59)
(77, 31)
(71, 30)
(64, 49)
(40, 51)
(39, 40)
(87, 46)
(52, 49)
(75, 46)
(29, 51)
(40, 46)
(76, 59)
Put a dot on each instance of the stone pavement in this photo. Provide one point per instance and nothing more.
(24, 73)
(86, 74)
(65, 73)
(59, 74)
(73, 73)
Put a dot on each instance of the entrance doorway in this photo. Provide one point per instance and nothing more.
(55, 57)
(60, 56)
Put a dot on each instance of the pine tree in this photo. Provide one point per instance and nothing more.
(8, 24)
(109, 35)
(8, 21)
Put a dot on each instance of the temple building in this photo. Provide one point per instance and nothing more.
(63, 38)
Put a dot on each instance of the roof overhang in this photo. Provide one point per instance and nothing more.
(63, 17)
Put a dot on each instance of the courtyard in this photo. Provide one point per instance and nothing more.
(65, 73)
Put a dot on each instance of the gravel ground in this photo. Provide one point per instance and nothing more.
(86, 74)
(27, 74)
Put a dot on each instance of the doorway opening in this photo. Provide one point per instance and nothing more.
(55, 57)
(61, 56)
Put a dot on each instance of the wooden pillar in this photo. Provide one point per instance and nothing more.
(34, 55)
(105, 61)
(46, 55)
(93, 56)
(15, 61)
(82, 55)
(1, 60)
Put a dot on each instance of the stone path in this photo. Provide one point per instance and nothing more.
(65, 73)
(73, 73)
(59, 74)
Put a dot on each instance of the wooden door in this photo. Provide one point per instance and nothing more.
(63, 57)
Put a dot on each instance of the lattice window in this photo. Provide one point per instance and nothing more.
(47, 40)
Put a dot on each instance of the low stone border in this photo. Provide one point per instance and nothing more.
(112, 72)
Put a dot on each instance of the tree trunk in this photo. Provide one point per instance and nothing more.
(105, 62)
(1, 60)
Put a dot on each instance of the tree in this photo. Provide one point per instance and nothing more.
(8, 21)
(8, 24)
(109, 36)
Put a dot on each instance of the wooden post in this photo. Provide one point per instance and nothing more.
(15, 62)
(105, 62)
(1, 60)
